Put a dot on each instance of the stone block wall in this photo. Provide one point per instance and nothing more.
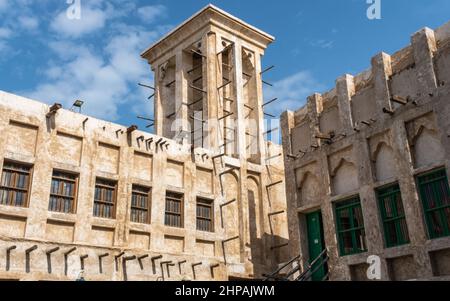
(39, 244)
(387, 125)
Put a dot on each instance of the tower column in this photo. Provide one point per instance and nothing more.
(314, 107)
(181, 126)
(240, 117)
(382, 70)
(159, 114)
(241, 148)
(424, 46)
(345, 86)
(212, 100)
(259, 108)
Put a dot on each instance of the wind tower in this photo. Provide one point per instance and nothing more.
(208, 84)
(209, 94)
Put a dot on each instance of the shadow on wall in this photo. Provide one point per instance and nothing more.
(267, 259)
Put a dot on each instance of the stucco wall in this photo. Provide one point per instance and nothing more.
(94, 148)
(381, 142)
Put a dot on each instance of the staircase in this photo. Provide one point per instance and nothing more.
(283, 274)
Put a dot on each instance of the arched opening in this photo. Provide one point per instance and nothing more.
(345, 178)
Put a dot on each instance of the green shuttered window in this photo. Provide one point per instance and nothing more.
(435, 197)
(350, 227)
(393, 216)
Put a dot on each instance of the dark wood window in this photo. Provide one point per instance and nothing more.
(15, 184)
(105, 199)
(205, 215)
(435, 197)
(393, 216)
(63, 192)
(350, 227)
(140, 205)
(174, 210)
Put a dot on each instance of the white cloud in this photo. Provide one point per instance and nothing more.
(325, 44)
(151, 13)
(5, 33)
(292, 92)
(3, 5)
(29, 22)
(16, 21)
(92, 19)
(65, 49)
(87, 77)
(124, 51)
(104, 73)
(53, 71)
(104, 80)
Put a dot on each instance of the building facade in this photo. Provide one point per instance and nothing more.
(202, 199)
(367, 167)
(362, 173)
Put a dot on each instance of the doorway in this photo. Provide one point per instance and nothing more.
(316, 245)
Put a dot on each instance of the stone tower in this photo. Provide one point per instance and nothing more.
(208, 84)
(209, 94)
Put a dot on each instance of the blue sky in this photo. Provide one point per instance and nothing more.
(47, 57)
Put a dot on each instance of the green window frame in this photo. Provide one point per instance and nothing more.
(435, 196)
(393, 216)
(350, 227)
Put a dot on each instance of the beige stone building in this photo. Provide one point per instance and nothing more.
(362, 171)
(202, 199)
(367, 167)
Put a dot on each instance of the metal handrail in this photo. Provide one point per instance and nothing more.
(292, 272)
(309, 273)
(303, 277)
(274, 274)
(323, 258)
